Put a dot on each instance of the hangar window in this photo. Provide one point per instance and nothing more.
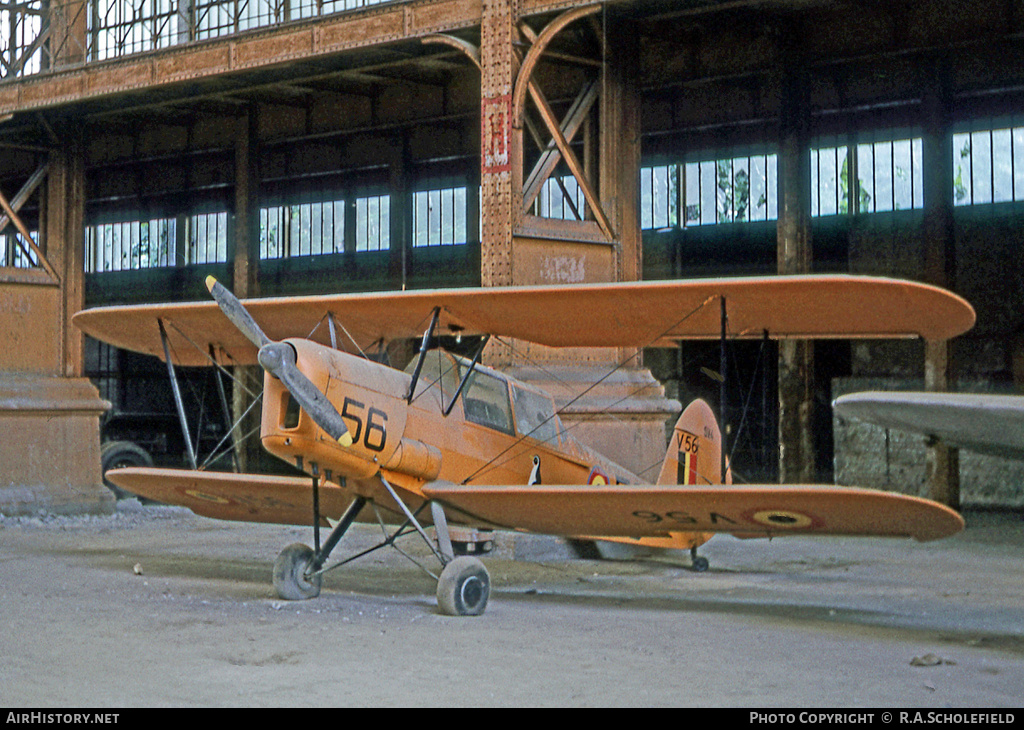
(15, 255)
(439, 217)
(730, 190)
(214, 18)
(889, 175)
(830, 168)
(883, 175)
(319, 227)
(147, 244)
(560, 198)
(659, 197)
(118, 28)
(988, 166)
(207, 237)
(373, 223)
(337, 6)
(709, 191)
(21, 51)
(128, 245)
(302, 230)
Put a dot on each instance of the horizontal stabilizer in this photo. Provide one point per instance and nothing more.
(657, 511)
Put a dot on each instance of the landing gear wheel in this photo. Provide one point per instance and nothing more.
(463, 588)
(699, 564)
(119, 454)
(290, 580)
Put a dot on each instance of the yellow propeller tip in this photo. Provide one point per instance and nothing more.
(345, 440)
(210, 281)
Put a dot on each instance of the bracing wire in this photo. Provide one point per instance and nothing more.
(256, 397)
(746, 404)
(490, 464)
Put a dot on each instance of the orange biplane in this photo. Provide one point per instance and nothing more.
(450, 442)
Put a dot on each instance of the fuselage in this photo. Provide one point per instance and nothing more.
(495, 432)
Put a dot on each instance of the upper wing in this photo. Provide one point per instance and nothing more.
(992, 424)
(653, 510)
(632, 314)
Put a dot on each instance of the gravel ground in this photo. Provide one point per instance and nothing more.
(155, 607)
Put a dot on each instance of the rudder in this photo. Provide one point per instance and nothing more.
(694, 454)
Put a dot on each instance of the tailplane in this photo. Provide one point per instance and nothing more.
(694, 458)
(695, 450)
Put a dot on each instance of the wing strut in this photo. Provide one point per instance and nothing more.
(412, 519)
(330, 326)
(225, 410)
(427, 336)
(178, 404)
(465, 378)
(723, 370)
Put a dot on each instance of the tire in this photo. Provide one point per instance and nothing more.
(463, 588)
(290, 579)
(118, 454)
(584, 549)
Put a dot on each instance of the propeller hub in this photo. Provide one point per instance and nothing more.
(275, 356)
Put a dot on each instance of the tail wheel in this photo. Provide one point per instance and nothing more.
(463, 588)
(698, 563)
(290, 574)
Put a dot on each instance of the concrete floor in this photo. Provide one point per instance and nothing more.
(153, 606)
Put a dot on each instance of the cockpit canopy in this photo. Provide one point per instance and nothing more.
(489, 398)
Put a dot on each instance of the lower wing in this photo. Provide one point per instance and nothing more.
(230, 496)
(660, 511)
(650, 511)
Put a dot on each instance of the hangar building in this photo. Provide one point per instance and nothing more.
(312, 146)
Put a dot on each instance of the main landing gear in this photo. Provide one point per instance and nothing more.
(463, 587)
(294, 576)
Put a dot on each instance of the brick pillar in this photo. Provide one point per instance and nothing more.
(68, 33)
(501, 160)
(49, 413)
(796, 357)
(245, 274)
(939, 265)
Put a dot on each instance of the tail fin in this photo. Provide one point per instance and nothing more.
(695, 452)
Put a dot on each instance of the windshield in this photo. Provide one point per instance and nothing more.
(439, 372)
(486, 402)
(535, 415)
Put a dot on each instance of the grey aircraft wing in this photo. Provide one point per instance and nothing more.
(989, 424)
